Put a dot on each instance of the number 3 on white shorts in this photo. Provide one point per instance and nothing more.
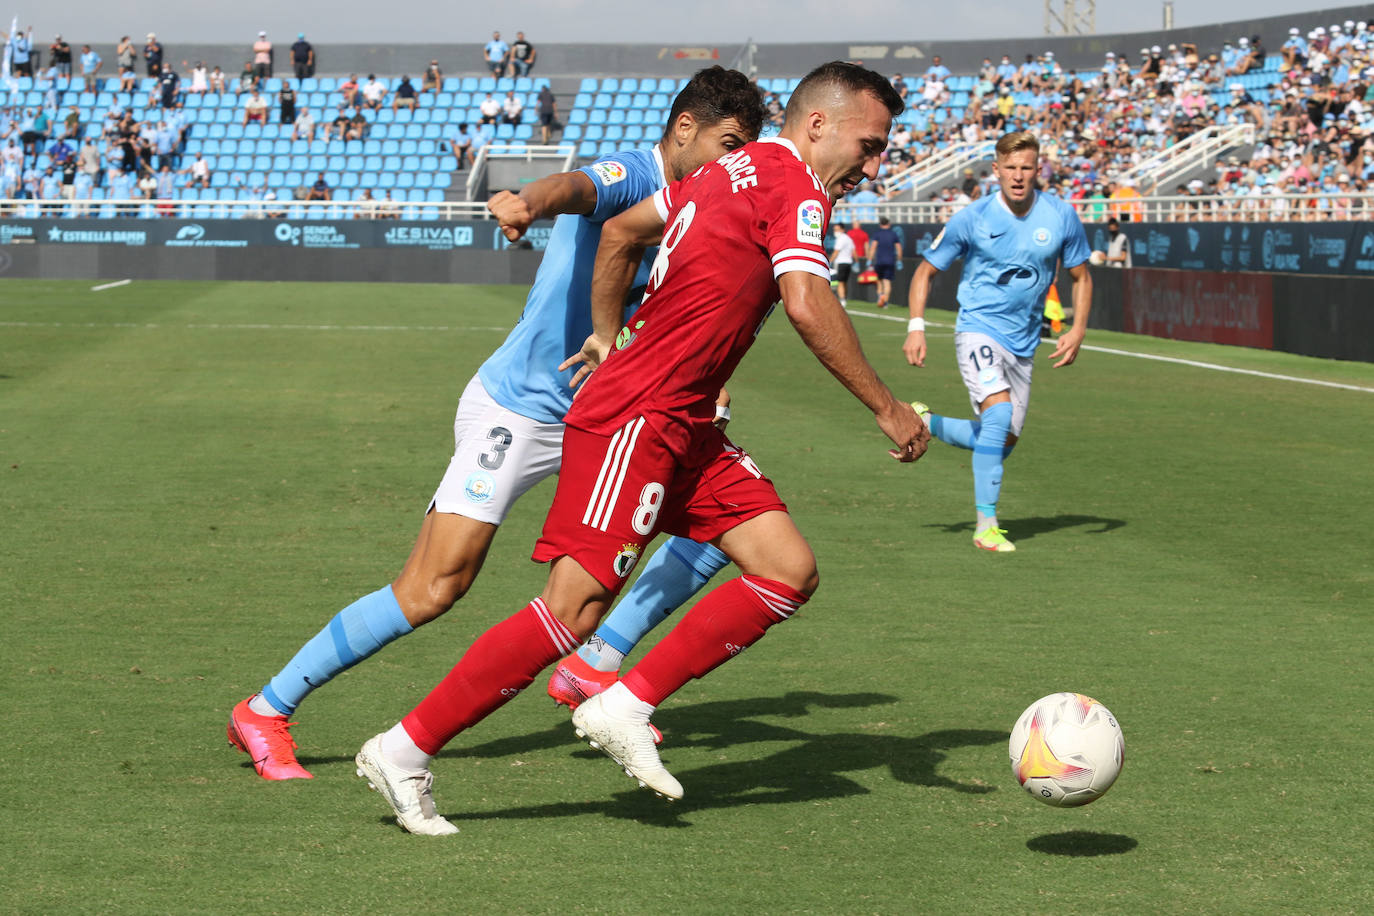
(646, 513)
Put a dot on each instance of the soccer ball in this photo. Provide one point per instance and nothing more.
(1066, 749)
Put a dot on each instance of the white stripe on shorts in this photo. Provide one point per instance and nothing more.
(612, 475)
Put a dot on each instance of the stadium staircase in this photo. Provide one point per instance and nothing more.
(1190, 158)
(939, 169)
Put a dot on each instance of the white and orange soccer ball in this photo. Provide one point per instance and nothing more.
(1066, 749)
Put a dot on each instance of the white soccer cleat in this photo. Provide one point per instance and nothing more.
(627, 742)
(410, 794)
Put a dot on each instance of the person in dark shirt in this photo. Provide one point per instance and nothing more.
(405, 95)
(303, 57)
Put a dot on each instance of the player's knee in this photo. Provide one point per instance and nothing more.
(800, 572)
(427, 601)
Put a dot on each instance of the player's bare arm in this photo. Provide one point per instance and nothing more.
(827, 331)
(1066, 348)
(554, 195)
(623, 241)
(915, 345)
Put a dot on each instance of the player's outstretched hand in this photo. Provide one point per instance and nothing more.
(1066, 347)
(593, 352)
(915, 348)
(904, 426)
(512, 213)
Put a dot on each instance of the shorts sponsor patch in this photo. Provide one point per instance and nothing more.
(480, 487)
(609, 171)
(624, 562)
(811, 222)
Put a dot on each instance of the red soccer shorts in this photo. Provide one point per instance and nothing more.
(616, 492)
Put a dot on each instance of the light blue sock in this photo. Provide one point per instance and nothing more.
(355, 633)
(987, 461)
(676, 572)
(962, 433)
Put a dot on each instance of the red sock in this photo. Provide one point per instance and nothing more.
(728, 620)
(502, 662)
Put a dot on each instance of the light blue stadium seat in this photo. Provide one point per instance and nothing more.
(505, 84)
(588, 85)
(616, 116)
(622, 100)
(486, 84)
(610, 84)
(443, 180)
(348, 180)
(640, 100)
(587, 149)
(582, 100)
(386, 180)
(391, 147)
(597, 116)
(634, 132)
(524, 131)
(572, 133)
(432, 132)
(385, 116)
(424, 180)
(372, 147)
(413, 132)
(660, 100)
(629, 84)
(594, 132)
(469, 84)
(229, 147)
(603, 100)
(614, 132)
(523, 84)
(461, 100)
(607, 147)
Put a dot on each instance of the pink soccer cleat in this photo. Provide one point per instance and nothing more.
(267, 740)
(574, 682)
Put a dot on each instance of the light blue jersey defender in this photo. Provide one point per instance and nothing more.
(1009, 264)
(522, 375)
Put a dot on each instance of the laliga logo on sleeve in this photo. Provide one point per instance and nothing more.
(810, 220)
(609, 172)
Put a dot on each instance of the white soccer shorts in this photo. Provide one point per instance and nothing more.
(497, 455)
(987, 368)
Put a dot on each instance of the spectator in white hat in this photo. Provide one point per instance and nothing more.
(262, 57)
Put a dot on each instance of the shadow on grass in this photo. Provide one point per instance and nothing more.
(1082, 843)
(812, 768)
(1023, 529)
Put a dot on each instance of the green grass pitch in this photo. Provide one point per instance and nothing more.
(195, 477)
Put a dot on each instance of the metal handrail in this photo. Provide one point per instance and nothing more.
(1201, 148)
(145, 208)
(939, 164)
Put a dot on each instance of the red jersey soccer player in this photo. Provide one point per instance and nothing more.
(640, 453)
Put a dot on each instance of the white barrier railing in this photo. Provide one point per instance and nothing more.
(1248, 208)
(1291, 208)
(245, 209)
(564, 151)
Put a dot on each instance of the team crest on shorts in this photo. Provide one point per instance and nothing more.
(988, 376)
(624, 562)
(480, 487)
(609, 171)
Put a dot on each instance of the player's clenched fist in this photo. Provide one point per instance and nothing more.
(512, 213)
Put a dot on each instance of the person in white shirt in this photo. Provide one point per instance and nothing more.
(842, 260)
(490, 109)
(373, 92)
(511, 109)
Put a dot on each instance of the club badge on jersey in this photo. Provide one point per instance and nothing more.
(624, 562)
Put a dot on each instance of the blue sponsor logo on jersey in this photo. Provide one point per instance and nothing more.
(480, 487)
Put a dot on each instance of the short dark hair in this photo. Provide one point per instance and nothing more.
(844, 75)
(714, 94)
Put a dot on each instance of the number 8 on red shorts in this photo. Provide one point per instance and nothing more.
(616, 492)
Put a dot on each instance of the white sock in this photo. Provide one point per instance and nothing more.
(264, 708)
(400, 749)
(984, 523)
(620, 703)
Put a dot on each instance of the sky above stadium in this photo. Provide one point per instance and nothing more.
(721, 22)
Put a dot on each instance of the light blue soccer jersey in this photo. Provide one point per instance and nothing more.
(1009, 264)
(522, 375)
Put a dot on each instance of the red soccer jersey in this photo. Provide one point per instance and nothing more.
(733, 227)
